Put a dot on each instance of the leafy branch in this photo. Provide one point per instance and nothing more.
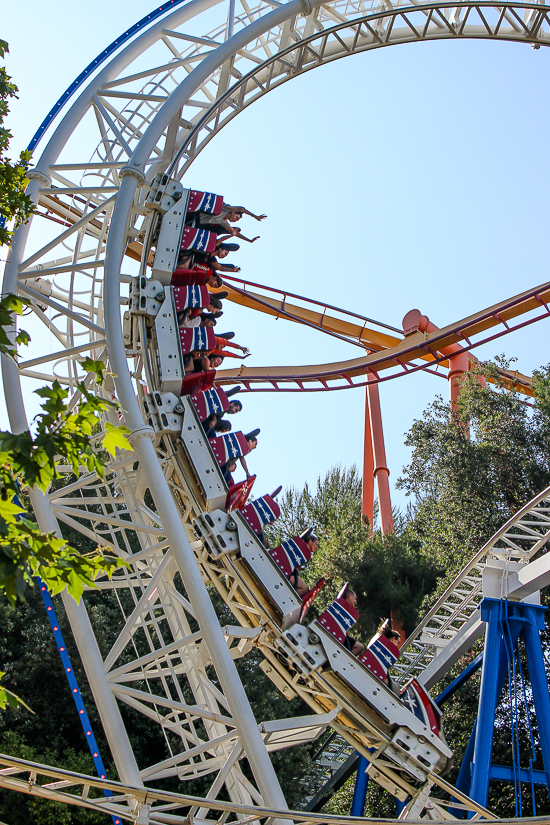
(64, 431)
(15, 206)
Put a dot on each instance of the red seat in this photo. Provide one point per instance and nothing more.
(212, 401)
(291, 554)
(229, 445)
(260, 512)
(238, 494)
(186, 277)
(309, 598)
(194, 296)
(199, 240)
(379, 656)
(339, 617)
(196, 381)
(419, 702)
(198, 338)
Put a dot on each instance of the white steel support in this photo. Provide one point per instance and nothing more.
(113, 725)
(178, 92)
(171, 518)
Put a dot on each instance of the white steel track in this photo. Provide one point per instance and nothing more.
(153, 107)
(452, 626)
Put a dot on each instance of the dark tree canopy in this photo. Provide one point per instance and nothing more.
(471, 471)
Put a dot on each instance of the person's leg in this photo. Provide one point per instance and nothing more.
(301, 587)
(357, 649)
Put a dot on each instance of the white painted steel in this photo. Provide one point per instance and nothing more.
(171, 516)
(160, 114)
(452, 626)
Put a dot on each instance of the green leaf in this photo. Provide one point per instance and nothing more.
(9, 699)
(97, 367)
(9, 510)
(22, 337)
(116, 437)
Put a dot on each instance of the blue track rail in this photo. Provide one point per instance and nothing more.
(75, 690)
(96, 62)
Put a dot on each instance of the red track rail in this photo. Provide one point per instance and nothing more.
(399, 360)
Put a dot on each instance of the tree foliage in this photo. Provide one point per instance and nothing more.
(62, 431)
(389, 573)
(15, 205)
(472, 470)
(469, 472)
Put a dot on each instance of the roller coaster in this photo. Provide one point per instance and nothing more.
(158, 95)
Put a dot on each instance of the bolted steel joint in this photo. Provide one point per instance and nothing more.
(133, 171)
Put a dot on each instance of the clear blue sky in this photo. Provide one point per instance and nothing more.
(413, 176)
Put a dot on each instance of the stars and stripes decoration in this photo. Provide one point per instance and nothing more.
(291, 555)
(379, 656)
(261, 511)
(209, 402)
(193, 297)
(419, 702)
(228, 445)
(199, 239)
(204, 202)
(199, 274)
(338, 618)
(198, 338)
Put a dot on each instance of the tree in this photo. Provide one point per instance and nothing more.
(389, 573)
(15, 205)
(60, 432)
(28, 460)
(472, 470)
(469, 472)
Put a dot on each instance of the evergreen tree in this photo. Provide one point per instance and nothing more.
(470, 471)
(389, 573)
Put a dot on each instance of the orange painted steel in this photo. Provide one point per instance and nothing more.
(318, 317)
(459, 360)
(367, 501)
(354, 333)
(418, 351)
(381, 472)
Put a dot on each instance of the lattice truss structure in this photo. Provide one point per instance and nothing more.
(167, 94)
(452, 626)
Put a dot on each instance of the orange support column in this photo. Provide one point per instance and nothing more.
(367, 504)
(381, 472)
(458, 365)
(459, 359)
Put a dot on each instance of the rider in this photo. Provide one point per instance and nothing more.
(312, 541)
(356, 648)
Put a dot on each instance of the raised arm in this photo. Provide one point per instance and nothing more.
(252, 215)
(243, 463)
(244, 238)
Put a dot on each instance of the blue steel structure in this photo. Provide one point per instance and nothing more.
(507, 624)
(96, 62)
(75, 690)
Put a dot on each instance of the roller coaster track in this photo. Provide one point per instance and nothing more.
(152, 108)
(316, 315)
(452, 626)
(151, 806)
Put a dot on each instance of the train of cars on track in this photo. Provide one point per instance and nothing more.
(400, 733)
